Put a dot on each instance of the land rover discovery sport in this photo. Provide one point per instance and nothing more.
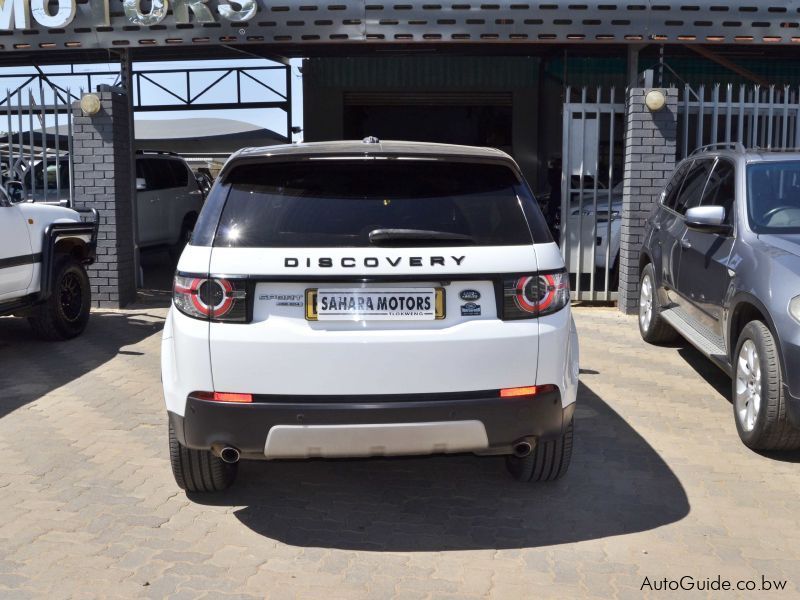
(354, 299)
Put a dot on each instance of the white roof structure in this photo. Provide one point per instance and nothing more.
(202, 135)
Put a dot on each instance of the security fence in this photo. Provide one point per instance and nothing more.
(36, 146)
(593, 150)
(754, 116)
(591, 191)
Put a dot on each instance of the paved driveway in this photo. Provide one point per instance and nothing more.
(660, 487)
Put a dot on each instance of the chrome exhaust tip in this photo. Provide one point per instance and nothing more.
(522, 449)
(229, 455)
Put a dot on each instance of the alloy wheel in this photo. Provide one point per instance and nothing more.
(71, 297)
(646, 303)
(748, 386)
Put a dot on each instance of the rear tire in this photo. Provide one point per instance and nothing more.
(65, 313)
(652, 326)
(199, 470)
(759, 405)
(549, 460)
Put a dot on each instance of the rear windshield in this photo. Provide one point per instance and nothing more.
(324, 203)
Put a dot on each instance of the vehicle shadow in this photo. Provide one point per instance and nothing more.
(712, 374)
(31, 368)
(617, 484)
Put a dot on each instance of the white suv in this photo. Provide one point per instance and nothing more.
(44, 250)
(168, 195)
(168, 199)
(350, 299)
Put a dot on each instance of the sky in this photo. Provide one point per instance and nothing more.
(274, 119)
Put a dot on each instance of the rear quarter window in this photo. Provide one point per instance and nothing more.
(329, 203)
(156, 172)
(674, 185)
(693, 185)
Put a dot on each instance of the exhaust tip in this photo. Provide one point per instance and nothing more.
(229, 455)
(522, 449)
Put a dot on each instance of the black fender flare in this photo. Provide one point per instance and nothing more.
(58, 231)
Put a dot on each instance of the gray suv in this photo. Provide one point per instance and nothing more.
(720, 266)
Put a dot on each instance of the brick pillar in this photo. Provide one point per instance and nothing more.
(102, 180)
(649, 161)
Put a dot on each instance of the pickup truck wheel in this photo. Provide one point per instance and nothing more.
(199, 470)
(652, 327)
(759, 405)
(548, 461)
(65, 313)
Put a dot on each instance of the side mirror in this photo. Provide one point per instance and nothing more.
(14, 191)
(710, 219)
(141, 184)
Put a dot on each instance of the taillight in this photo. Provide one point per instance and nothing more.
(530, 296)
(214, 298)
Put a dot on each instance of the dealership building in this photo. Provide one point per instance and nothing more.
(595, 99)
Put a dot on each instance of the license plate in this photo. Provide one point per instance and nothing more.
(373, 304)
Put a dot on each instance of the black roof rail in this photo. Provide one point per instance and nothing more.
(736, 146)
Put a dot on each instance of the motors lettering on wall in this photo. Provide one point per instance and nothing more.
(56, 14)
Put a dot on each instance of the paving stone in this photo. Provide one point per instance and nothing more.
(660, 486)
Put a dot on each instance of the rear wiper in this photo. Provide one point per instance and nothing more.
(380, 237)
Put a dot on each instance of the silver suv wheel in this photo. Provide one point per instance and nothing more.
(646, 302)
(759, 402)
(654, 329)
(748, 386)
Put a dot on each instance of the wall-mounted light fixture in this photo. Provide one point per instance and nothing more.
(655, 100)
(90, 104)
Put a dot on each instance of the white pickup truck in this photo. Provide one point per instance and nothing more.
(43, 253)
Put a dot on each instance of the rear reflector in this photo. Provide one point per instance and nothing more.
(228, 397)
(529, 390)
(519, 391)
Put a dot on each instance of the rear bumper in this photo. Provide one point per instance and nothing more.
(247, 427)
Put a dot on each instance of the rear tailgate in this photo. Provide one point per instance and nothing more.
(283, 352)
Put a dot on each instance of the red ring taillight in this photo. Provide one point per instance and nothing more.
(523, 301)
(201, 297)
(547, 282)
(529, 296)
(225, 301)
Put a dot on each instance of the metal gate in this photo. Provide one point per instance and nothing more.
(754, 116)
(36, 143)
(591, 191)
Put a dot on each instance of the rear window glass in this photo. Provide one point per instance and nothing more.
(324, 203)
(156, 172)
